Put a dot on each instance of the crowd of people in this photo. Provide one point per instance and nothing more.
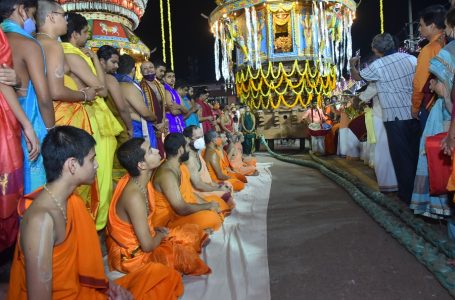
(401, 121)
(90, 155)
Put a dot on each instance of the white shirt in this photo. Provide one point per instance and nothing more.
(393, 75)
(372, 93)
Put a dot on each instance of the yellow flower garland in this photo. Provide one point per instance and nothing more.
(259, 89)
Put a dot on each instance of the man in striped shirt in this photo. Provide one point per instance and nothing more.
(393, 74)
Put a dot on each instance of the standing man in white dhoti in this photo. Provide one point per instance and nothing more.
(383, 166)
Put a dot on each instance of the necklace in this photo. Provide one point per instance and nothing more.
(48, 35)
(56, 202)
(144, 192)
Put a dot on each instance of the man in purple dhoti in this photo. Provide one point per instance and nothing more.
(174, 108)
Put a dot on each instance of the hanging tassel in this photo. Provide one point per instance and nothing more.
(217, 50)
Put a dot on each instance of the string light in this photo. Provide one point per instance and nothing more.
(171, 54)
(381, 14)
(163, 37)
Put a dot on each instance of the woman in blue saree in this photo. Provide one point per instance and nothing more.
(442, 66)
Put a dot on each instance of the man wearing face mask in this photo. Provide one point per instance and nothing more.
(33, 93)
(200, 177)
(154, 94)
(176, 202)
(142, 117)
(218, 169)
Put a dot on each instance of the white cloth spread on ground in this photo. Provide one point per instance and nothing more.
(237, 253)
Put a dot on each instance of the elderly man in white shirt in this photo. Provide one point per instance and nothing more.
(393, 73)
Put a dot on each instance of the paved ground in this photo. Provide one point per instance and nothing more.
(321, 245)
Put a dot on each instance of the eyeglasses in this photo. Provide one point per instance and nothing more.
(63, 14)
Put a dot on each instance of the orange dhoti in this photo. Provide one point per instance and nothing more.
(237, 184)
(206, 219)
(77, 265)
(250, 161)
(205, 177)
(239, 166)
(179, 250)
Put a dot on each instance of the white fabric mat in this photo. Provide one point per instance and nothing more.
(237, 253)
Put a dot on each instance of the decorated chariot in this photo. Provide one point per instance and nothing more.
(289, 55)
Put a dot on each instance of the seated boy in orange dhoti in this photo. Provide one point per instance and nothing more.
(200, 178)
(132, 240)
(235, 158)
(217, 164)
(58, 255)
(176, 202)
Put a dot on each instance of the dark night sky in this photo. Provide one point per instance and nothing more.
(193, 42)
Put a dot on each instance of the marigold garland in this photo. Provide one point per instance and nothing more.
(271, 89)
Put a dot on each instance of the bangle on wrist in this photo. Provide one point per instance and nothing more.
(49, 128)
(85, 96)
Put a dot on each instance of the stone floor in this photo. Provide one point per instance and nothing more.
(321, 245)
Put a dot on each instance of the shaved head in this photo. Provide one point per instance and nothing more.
(45, 7)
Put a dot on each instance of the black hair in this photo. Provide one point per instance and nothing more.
(434, 14)
(173, 142)
(105, 52)
(180, 84)
(168, 70)
(450, 17)
(209, 136)
(7, 7)
(200, 91)
(125, 64)
(130, 153)
(61, 143)
(189, 130)
(76, 23)
(159, 63)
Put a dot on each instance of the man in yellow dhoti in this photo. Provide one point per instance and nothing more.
(87, 71)
(68, 98)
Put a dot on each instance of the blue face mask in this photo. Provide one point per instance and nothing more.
(29, 26)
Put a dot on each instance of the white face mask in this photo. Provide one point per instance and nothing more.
(199, 144)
